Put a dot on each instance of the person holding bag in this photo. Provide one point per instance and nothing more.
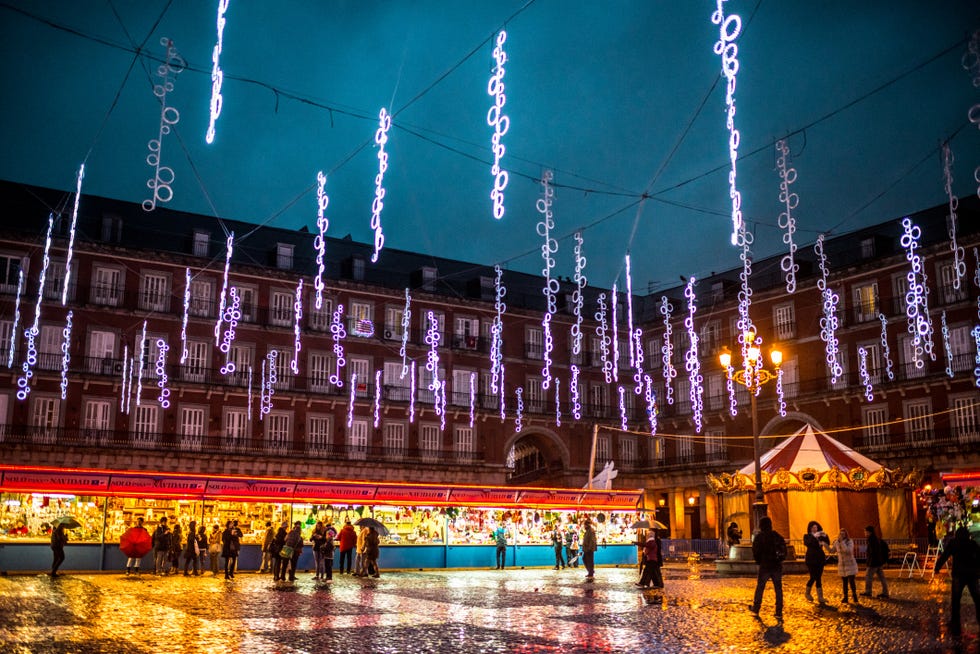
(191, 550)
(275, 549)
(294, 546)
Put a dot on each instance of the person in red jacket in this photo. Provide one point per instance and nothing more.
(347, 539)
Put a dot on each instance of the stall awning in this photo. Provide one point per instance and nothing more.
(971, 478)
(163, 485)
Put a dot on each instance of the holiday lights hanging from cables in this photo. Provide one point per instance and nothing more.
(122, 384)
(614, 303)
(161, 367)
(338, 334)
(557, 402)
(350, 400)
(441, 400)
(377, 398)
(183, 323)
(602, 332)
(224, 288)
(551, 286)
(320, 241)
(472, 397)
(217, 76)
(864, 374)
(668, 349)
(71, 234)
(732, 399)
(432, 361)
(16, 325)
(574, 392)
(829, 322)
(269, 381)
(380, 138)
(780, 396)
(728, 30)
(744, 322)
(886, 352)
(639, 358)
(787, 221)
(406, 327)
(629, 311)
(651, 398)
(959, 256)
(496, 332)
(692, 362)
(297, 333)
(65, 355)
(500, 122)
(947, 347)
(623, 423)
(139, 377)
(519, 420)
(163, 176)
(578, 302)
(971, 63)
(503, 409)
(250, 394)
(917, 296)
(23, 382)
(232, 315)
(975, 332)
(129, 386)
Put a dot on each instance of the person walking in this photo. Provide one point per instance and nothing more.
(847, 565)
(652, 562)
(214, 548)
(769, 551)
(133, 563)
(877, 558)
(231, 544)
(202, 546)
(500, 539)
(59, 538)
(161, 546)
(372, 552)
(279, 564)
(589, 546)
(558, 542)
(815, 540)
(294, 539)
(270, 533)
(965, 553)
(317, 540)
(347, 540)
(191, 549)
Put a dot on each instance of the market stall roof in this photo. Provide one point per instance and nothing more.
(971, 478)
(162, 485)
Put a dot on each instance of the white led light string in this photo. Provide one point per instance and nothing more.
(917, 296)
(787, 221)
(864, 374)
(728, 30)
(602, 331)
(71, 234)
(380, 139)
(232, 315)
(31, 333)
(217, 76)
(959, 255)
(65, 354)
(498, 120)
(668, 350)
(519, 419)
(406, 327)
(496, 333)
(224, 288)
(886, 352)
(183, 322)
(377, 398)
(829, 322)
(624, 425)
(16, 325)
(139, 376)
(578, 302)
(691, 360)
(161, 369)
(338, 333)
(614, 302)
(551, 286)
(297, 332)
(947, 348)
(320, 241)
(163, 176)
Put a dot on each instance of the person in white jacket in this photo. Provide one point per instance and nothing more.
(847, 566)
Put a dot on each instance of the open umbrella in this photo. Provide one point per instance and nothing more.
(136, 542)
(67, 521)
(648, 524)
(371, 522)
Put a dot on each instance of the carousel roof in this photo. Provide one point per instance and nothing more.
(811, 450)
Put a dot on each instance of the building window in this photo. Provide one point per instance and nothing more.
(236, 428)
(357, 439)
(534, 343)
(488, 399)
(54, 282)
(357, 269)
(784, 320)
(284, 373)
(195, 366)
(112, 229)
(963, 348)
(900, 286)
(97, 417)
(321, 367)
(394, 438)
(716, 392)
(603, 450)
(319, 433)
(192, 427)
(424, 392)
(627, 451)
(918, 421)
(284, 256)
(277, 432)
(685, 448)
(319, 319)
(867, 248)
(429, 276)
(202, 243)
(429, 441)
(281, 310)
(599, 397)
(361, 368)
(909, 369)
(948, 294)
(534, 397)
(875, 419)
(107, 286)
(155, 292)
(6, 329)
(202, 298)
(241, 355)
(464, 442)
(10, 267)
(710, 339)
(714, 444)
(791, 377)
(966, 422)
(865, 300)
(595, 351)
(466, 333)
(396, 387)
(49, 354)
(247, 296)
(841, 382)
(875, 367)
(145, 423)
(461, 388)
(624, 355)
(657, 450)
(393, 323)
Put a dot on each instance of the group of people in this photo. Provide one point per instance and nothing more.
(195, 548)
(281, 551)
(569, 547)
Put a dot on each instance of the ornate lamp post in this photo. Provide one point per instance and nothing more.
(753, 376)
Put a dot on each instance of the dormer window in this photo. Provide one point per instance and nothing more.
(284, 256)
(202, 241)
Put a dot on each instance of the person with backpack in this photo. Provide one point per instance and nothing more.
(279, 564)
(161, 547)
(966, 571)
(847, 565)
(877, 558)
(769, 551)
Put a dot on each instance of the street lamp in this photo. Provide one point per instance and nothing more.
(753, 376)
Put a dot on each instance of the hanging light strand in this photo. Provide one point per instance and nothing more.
(338, 334)
(885, 350)
(496, 332)
(320, 242)
(692, 362)
(406, 328)
(163, 176)
(787, 221)
(16, 325)
(500, 122)
(380, 138)
(668, 350)
(602, 332)
(729, 28)
(551, 286)
(829, 322)
(217, 76)
(31, 333)
(65, 354)
(71, 234)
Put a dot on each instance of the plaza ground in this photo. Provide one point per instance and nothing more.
(532, 610)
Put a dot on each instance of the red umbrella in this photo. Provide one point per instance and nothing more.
(136, 542)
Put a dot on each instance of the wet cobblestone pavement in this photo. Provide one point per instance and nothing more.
(465, 611)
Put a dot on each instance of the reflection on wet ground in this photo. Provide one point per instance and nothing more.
(533, 610)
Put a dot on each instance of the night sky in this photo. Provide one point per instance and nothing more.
(619, 98)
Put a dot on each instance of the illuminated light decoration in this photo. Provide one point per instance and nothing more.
(864, 375)
(161, 367)
(500, 122)
(262, 393)
(959, 255)
(122, 386)
(975, 332)
(519, 420)
(432, 361)
(269, 381)
(651, 398)
(668, 350)
(780, 396)
(732, 401)
(65, 355)
(496, 333)
(885, 350)
(629, 312)
(183, 323)
(24, 381)
(614, 301)
(551, 286)
(557, 402)
(406, 326)
(411, 397)
(13, 330)
(250, 393)
(622, 408)
(71, 233)
(472, 397)
(971, 62)
(728, 30)
(320, 241)
(578, 295)
(576, 400)
(377, 398)
(744, 322)
(163, 176)
(503, 411)
(380, 138)
(217, 76)
(829, 322)
(139, 376)
(976, 278)
(297, 333)
(691, 360)
(602, 331)
(947, 347)
(338, 333)
(233, 314)
(638, 360)
(441, 399)
(224, 288)
(917, 296)
(129, 386)
(787, 221)
(363, 328)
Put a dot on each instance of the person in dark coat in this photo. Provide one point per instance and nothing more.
(347, 540)
(734, 534)
(294, 539)
(278, 563)
(876, 563)
(769, 550)
(815, 540)
(558, 542)
(161, 547)
(191, 550)
(231, 544)
(652, 562)
(59, 538)
(372, 551)
(966, 571)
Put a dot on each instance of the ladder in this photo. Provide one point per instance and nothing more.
(929, 563)
(910, 561)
